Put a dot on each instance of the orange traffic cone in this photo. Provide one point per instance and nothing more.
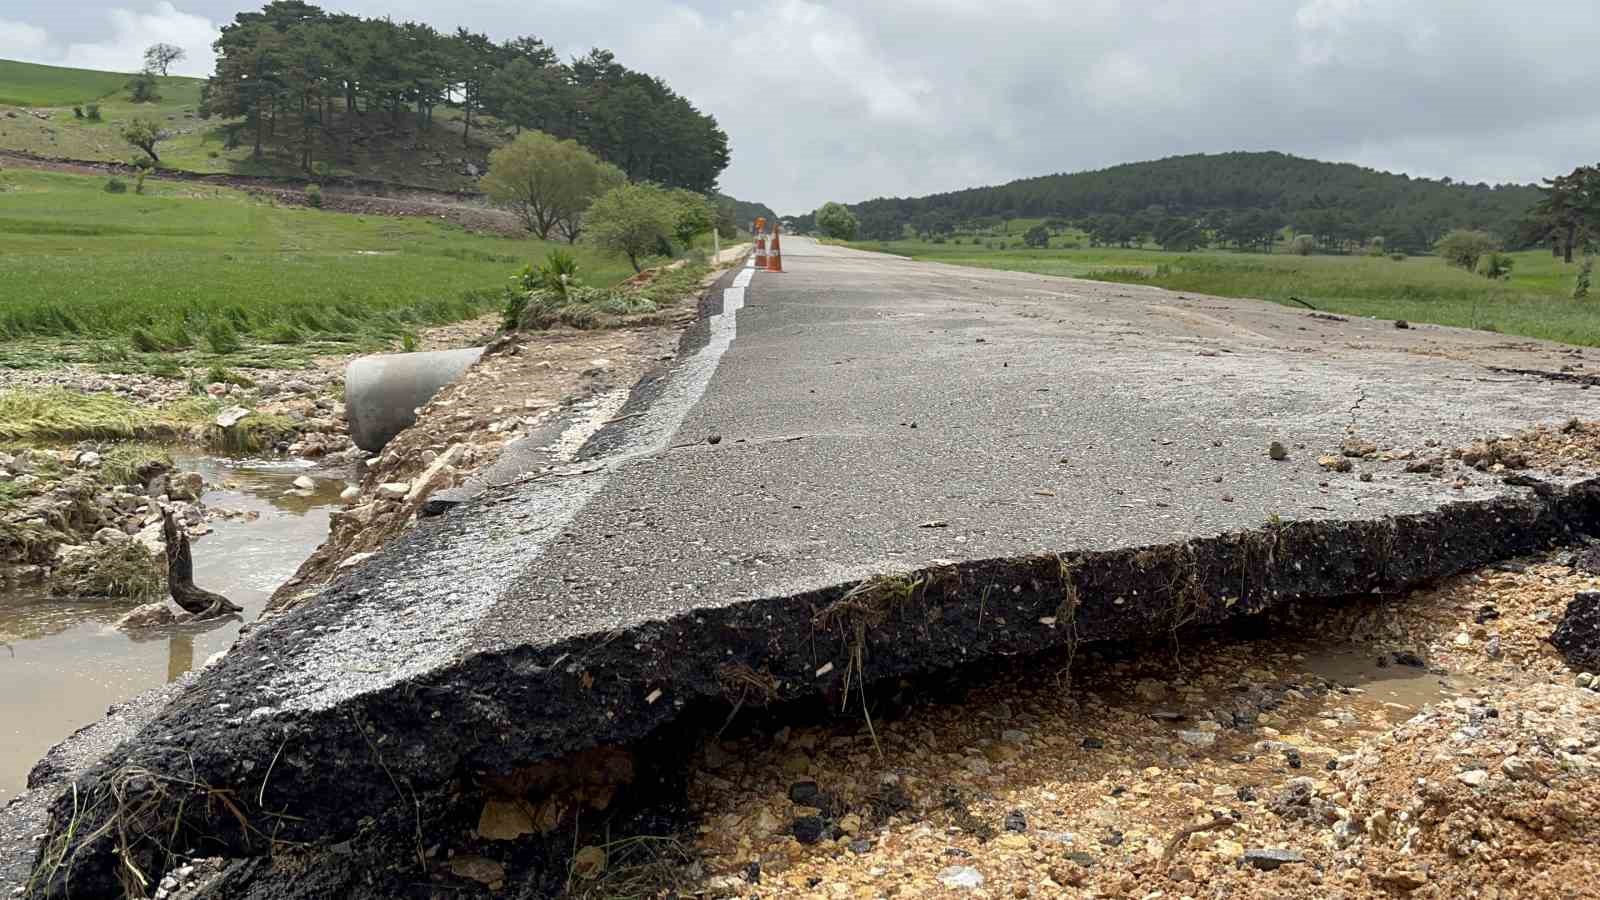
(775, 255)
(760, 234)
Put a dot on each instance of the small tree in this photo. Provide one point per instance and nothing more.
(1037, 237)
(696, 215)
(1580, 291)
(1302, 245)
(142, 88)
(158, 57)
(547, 182)
(633, 220)
(836, 221)
(1496, 265)
(143, 132)
(1463, 248)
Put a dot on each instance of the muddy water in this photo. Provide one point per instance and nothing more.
(61, 662)
(1402, 691)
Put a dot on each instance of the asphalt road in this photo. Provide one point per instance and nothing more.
(857, 415)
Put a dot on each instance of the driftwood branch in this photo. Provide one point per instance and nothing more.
(203, 604)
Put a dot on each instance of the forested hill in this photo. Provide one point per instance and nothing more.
(320, 87)
(746, 211)
(1335, 201)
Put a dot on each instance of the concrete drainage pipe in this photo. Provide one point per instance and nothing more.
(382, 393)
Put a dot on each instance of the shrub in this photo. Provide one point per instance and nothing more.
(408, 342)
(77, 112)
(1580, 291)
(1037, 237)
(115, 185)
(142, 88)
(138, 181)
(1496, 265)
(222, 338)
(1375, 246)
(1463, 248)
(314, 195)
(1302, 245)
(92, 112)
(1397, 256)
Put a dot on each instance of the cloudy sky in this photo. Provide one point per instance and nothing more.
(853, 100)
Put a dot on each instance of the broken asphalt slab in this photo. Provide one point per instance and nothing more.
(919, 466)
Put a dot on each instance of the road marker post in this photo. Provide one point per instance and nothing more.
(760, 234)
(775, 253)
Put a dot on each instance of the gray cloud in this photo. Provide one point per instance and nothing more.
(847, 101)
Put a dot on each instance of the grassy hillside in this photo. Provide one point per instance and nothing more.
(92, 274)
(1535, 301)
(399, 153)
(27, 84)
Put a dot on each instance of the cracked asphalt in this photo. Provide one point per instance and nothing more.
(871, 415)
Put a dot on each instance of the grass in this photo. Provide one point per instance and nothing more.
(1535, 302)
(57, 415)
(27, 84)
(172, 277)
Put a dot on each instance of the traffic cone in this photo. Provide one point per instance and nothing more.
(775, 255)
(761, 243)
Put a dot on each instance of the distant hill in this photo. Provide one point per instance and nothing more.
(29, 84)
(746, 212)
(1339, 201)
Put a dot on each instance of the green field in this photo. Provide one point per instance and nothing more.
(93, 275)
(27, 84)
(1534, 302)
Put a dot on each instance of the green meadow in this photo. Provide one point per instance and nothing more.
(1536, 301)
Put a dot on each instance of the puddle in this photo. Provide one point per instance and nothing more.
(1401, 690)
(62, 664)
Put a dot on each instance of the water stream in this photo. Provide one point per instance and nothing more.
(61, 661)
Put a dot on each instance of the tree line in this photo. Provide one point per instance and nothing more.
(302, 79)
(1242, 199)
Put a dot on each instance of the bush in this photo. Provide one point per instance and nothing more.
(1375, 247)
(1302, 245)
(1037, 237)
(1580, 291)
(222, 338)
(92, 112)
(1496, 265)
(138, 181)
(77, 112)
(408, 342)
(142, 88)
(1398, 257)
(1463, 248)
(115, 185)
(314, 196)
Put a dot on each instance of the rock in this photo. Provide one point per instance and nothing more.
(231, 416)
(1577, 635)
(961, 878)
(589, 862)
(504, 820)
(1335, 463)
(350, 493)
(809, 829)
(1269, 859)
(88, 459)
(1276, 450)
(1358, 448)
(187, 486)
(150, 615)
(1093, 743)
(305, 483)
(1150, 689)
(1013, 736)
(479, 869)
(394, 490)
(977, 765)
(1491, 649)
(112, 536)
(1516, 768)
(297, 386)
(1402, 879)
(1401, 323)
(1587, 560)
(805, 793)
(1473, 777)
(1198, 738)
(1016, 821)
